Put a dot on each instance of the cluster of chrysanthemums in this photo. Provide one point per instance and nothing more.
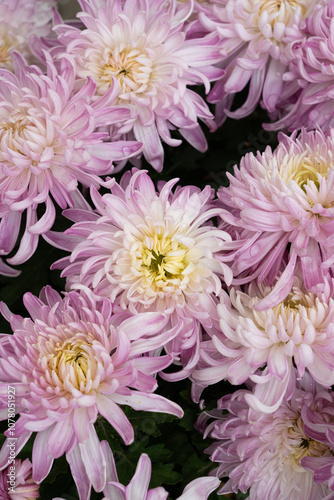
(235, 286)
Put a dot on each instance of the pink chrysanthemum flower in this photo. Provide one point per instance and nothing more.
(72, 361)
(142, 44)
(150, 251)
(311, 68)
(297, 332)
(137, 489)
(16, 482)
(21, 20)
(253, 50)
(319, 425)
(280, 205)
(264, 452)
(49, 145)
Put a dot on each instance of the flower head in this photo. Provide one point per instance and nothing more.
(20, 21)
(150, 251)
(253, 50)
(49, 145)
(72, 361)
(142, 44)
(16, 482)
(279, 206)
(297, 332)
(264, 452)
(310, 51)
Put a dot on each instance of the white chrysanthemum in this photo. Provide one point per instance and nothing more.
(148, 250)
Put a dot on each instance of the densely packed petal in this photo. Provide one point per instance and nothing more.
(253, 50)
(311, 74)
(150, 251)
(71, 362)
(21, 21)
(319, 425)
(265, 346)
(279, 211)
(264, 452)
(143, 45)
(49, 144)
(16, 482)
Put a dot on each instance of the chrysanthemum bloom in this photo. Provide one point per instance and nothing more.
(280, 205)
(72, 361)
(49, 145)
(311, 68)
(137, 489)
(142, 44)
(150, 251)
(264, 452)
(319, 425)
(20, 20)
(252, 45)
(16, 482)
(297, 332)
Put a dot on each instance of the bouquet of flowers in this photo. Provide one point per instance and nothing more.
(167, 249)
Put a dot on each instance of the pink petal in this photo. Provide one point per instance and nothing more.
(108, 408)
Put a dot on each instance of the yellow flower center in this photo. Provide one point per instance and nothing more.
(309, 168)
(7, 42)
(301, 445)
(131, 66)
(15, 132)
(4, 56)
(281, 11)
(13, 127)
(292, 305)
(161, 260)
(72, 361)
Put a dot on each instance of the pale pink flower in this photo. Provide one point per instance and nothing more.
(279, 207)
(253, 50)
(137, 489)
(16, 482)
(311, 70)
(49, 145)
(143, 45)
(71, 362)
(297, 332)
(150, 251)
(22, 21)
(264, 452)
(319, 425)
